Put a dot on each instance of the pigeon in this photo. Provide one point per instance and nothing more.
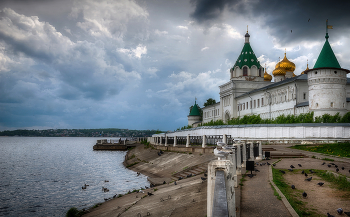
(347, 213)
(180, 178)
(203, 179)
(299, 165)
(268, 164)
(293, 186)
(146, 187)
(329, 165)
(304, 194)
(260, 164)
(275, 165)
(349, 171)
(282, 172)
(342, 168)
(175, 183)
(302, 172)
(320, 183)
(189, 175)
(290, 170)
(337, 170)
(205, 174)
(151, 185)
(306, 174)
(332, 163)
(308, 179)
(164, 182)
(149, 193)
(311, 171)
(336, 166)
(159, 154)
(256, 170)
(340, 211)
(329, 215)
(323, 163)
(291, 166)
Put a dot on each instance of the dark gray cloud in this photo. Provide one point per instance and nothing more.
(288, 21)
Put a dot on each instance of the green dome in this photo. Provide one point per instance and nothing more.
(327, 58)
(247, 57)
(195, 111)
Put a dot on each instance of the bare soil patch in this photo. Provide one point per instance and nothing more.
(320, 199)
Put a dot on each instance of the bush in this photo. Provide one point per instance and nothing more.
(72, 212)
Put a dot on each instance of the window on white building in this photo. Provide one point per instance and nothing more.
(258, 103)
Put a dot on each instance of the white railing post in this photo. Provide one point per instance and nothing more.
(244, 151)
(166, 141)
(204, 143)
(188, 140)
(239, 160)
(175, 141)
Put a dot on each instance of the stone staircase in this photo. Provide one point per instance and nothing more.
(194, 170)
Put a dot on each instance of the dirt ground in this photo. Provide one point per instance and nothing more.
(322, 200)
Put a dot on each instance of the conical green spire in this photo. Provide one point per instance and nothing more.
(195, 110)
(327, 57)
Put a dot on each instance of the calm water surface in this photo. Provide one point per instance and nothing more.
(43, 176)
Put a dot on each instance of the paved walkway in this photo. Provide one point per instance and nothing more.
(258, 198)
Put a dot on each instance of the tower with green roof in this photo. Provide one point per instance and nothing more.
(195, 115)
(247, 66)
(327, 83)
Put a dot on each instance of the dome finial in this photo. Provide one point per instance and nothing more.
(247, 28)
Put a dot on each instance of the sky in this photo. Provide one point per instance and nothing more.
(82, 64)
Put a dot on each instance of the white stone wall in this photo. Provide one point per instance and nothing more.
(273, 133)
(327, 91)
(211, 112)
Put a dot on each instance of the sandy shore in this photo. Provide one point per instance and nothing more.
(186, 198)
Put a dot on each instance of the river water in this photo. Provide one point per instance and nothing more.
(43, 176)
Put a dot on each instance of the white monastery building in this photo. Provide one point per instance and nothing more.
(323, 89)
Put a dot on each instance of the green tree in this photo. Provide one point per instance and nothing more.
(210, 101)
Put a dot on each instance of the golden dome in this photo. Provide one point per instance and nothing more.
(279, 70)
(286, 64)
(267, 77)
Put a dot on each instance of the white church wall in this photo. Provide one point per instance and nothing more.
(292, 132)
(211, 112)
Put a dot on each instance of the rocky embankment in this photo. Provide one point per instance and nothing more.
(185, 198)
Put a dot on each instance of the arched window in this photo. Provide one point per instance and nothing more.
(245, 71)
(260, 70)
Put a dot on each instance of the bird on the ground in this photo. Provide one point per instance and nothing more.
(189, 175)
(151, 185)
(106, 199)
(336, 166)
(290, 170)
(256, 170)
(299, 165)
(164, 182)
(306, 175)
(329, 165)
(323, 163)
(308, 179)
(293, 186)
(320, 183)
(337, 170)
(257, 163)
(311, 171)
(180, 178)
(342, 168)
(302, 172)
(149, 193)
(175, 183)
(340, 211)
(260, 164)
(347, 213)
(282, 172)
(146, 187)
(329, 215)
(304, 194)
(291, 166)
(205, 174)
(349, 171)
(203, 179)
(332, 163)
(275, 165)
(268, 164)
(159, 154)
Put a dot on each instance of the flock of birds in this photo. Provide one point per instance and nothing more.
(304, 194)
